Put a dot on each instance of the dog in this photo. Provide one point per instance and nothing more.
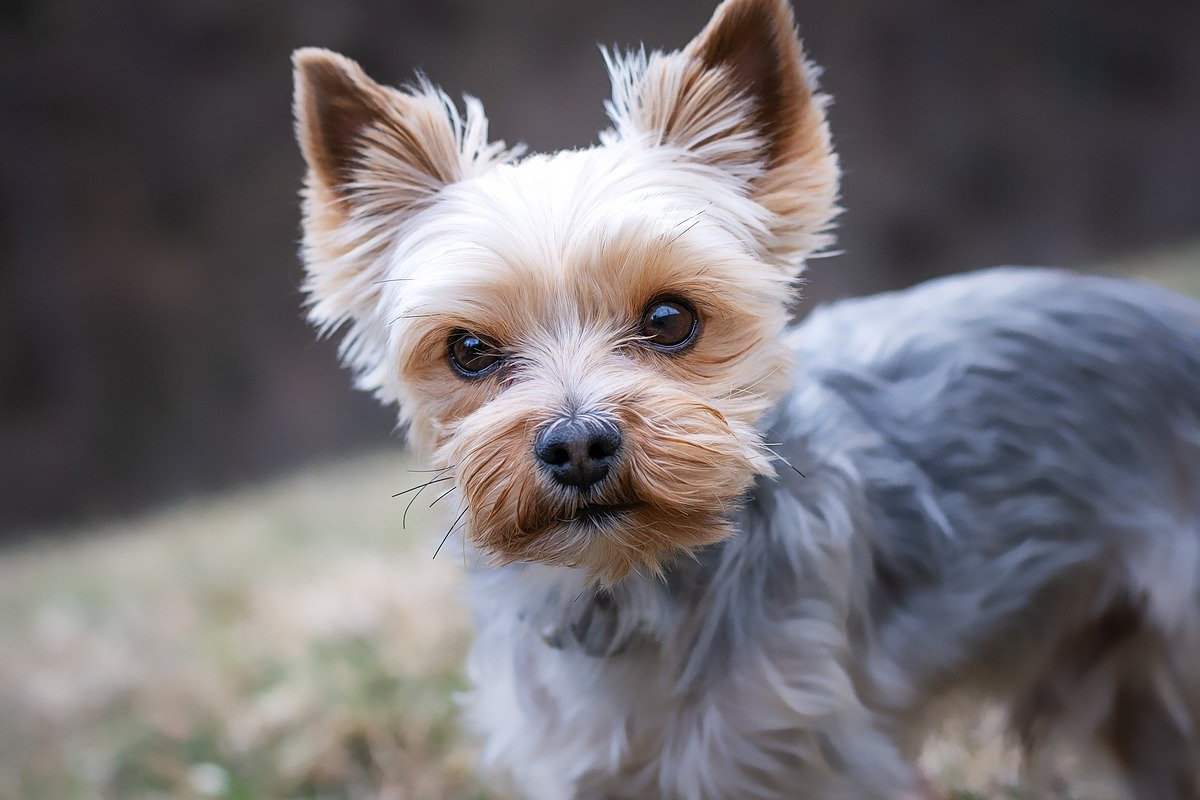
(714, 553)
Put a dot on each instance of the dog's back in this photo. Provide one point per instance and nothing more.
(1032, 459)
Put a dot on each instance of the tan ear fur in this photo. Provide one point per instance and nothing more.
(741, 97)
(754, 43)
(361, 139)
(376, 156)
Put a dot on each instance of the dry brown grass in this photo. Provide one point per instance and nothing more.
(268, 644)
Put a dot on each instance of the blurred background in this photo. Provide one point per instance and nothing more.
(154, 360)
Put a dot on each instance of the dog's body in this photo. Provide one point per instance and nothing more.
(1001, 496)
(717, 557)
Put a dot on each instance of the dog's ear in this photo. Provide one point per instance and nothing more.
(361, 139)
(741, 97)
(376, 157)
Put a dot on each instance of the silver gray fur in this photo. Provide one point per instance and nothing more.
(1002, 499)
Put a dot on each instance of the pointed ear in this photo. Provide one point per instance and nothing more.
(362, 140)
(740, 97)
(376, 157)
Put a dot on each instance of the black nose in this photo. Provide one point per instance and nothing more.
(578, 450)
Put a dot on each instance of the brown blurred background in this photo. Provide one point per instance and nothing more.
(151, 340)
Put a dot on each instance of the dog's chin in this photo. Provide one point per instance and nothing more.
(603, 517)
(608, 540)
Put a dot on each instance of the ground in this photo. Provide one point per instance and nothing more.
(292, 640)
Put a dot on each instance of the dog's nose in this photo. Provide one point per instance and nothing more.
(578, 451)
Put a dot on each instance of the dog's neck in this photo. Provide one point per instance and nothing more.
(567, 612)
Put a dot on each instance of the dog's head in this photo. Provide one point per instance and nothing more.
(584, 340)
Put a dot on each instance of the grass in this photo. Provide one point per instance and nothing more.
(266, 644)
(287, 641)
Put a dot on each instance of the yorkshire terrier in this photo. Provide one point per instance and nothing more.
(718, 555)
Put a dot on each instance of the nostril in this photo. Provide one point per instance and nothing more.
(601, 448)
(556, 455)
(604, 443)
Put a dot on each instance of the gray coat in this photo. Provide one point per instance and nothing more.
(989, 484)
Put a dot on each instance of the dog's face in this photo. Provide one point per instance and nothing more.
(587, 340)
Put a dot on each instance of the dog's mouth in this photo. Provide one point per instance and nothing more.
(602, 516)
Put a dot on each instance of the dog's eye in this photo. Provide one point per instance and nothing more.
(669, 325)
(472, 356)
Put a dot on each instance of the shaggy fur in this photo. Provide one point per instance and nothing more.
(985, 486)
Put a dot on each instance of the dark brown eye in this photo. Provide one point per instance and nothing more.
(669, 325)
(472, 356)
